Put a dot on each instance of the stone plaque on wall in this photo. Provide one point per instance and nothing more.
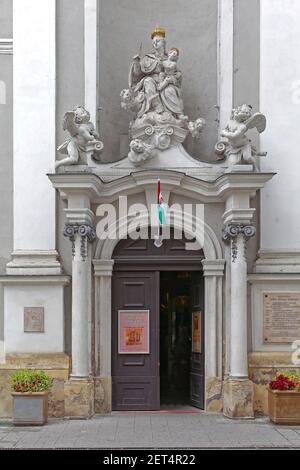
(281, 317)
(34, 319)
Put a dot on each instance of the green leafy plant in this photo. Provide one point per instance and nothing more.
(27, 380)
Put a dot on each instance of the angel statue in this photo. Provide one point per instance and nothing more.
(82, 132)
(237, 146)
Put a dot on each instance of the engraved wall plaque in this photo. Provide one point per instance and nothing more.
(281, 317)
(34, 319)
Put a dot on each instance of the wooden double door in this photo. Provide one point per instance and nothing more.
(157, 338)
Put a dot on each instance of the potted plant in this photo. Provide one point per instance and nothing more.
(284, 399)
(30, 396)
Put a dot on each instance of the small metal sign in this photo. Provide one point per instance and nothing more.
(34, 319)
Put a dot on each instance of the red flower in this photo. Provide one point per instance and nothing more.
(282, 383)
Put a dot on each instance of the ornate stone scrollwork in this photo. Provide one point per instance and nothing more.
(87, 234)
(230, 233)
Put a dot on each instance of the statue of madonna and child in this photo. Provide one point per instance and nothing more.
(154, 97)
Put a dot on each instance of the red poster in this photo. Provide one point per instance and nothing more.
(133, 331)
(196, 332)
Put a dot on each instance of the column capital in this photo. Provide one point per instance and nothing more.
(85, 231)
(231, 231)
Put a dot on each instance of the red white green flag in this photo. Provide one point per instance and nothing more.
(160, 205)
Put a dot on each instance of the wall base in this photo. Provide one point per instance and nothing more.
(103, 394)
(56, 365)
(213, 395)
(263, 367)
(238, 398)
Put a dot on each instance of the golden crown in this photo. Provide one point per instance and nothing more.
(158, 32)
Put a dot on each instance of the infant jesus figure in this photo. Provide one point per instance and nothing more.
(170, 84)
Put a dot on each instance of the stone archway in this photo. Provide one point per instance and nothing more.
(213, 271)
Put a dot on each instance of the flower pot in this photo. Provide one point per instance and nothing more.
(30, 409)
(284, 406)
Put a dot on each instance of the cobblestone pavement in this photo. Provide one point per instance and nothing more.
(151, 430)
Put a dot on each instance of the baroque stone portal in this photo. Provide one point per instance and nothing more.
(154, 97)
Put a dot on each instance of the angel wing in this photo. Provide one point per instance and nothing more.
(69, 123)
(258, 120)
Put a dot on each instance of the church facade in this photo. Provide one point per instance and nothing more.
(150, 250)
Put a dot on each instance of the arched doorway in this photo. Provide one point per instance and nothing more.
(157, 325)
(213, 271)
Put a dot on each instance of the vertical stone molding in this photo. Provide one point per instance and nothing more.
(213, 271)
(34, 110)
(103, 391)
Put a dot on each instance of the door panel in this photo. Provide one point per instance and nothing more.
(197, 358)
(135, 377)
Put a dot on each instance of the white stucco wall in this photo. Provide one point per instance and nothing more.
(19, 296)
(280, 101)
(34, 123)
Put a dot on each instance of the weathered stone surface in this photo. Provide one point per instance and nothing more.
(79, 398)
(5, 394)
(263, 367)
(103, 391)
(213, 395)
(55, 365)
(238, 398)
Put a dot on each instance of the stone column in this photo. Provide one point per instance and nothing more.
(79, 390)
(238, 390)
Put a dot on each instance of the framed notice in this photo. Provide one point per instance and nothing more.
(196, 332)
(281, 317)
(133, 331)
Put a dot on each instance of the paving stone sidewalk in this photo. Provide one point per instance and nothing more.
(151, 430)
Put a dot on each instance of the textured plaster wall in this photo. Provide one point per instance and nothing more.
(192, 27)
(70, 91)
(280, 101)
(6, 148)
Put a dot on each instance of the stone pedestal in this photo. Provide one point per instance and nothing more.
(79, 398)
(238, 398)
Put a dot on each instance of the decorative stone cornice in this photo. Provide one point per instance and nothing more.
(107, 187)
(6, 45)
(86, 232)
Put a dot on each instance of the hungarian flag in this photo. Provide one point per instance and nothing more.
(160, 205)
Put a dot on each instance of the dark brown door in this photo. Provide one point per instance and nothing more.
(197, 349)
(135, 377)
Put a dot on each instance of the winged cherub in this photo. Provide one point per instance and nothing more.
(237, 148)
(82, 131)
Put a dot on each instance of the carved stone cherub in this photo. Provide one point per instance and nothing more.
(237, 146)
(82, 131)
(131, 101)
(140, 152)
(196, 127)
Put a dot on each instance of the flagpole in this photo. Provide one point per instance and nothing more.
(158, 238)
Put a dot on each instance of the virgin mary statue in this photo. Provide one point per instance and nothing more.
(147, 74)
